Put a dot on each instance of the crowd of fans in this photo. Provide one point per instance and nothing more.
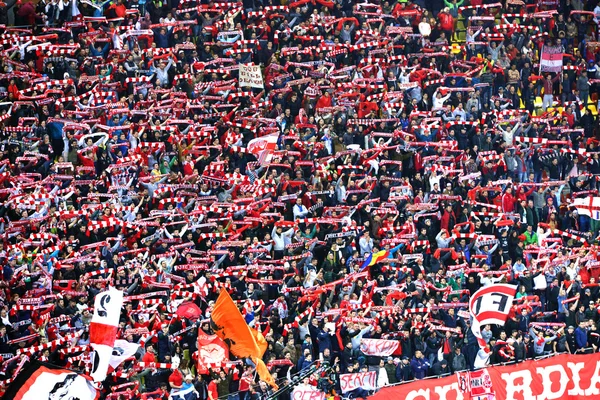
(424, 128)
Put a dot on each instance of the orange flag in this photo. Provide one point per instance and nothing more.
(243, 341)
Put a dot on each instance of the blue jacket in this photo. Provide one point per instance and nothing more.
(55, 130)
(419, 367)
(580, 338)
(324, 340)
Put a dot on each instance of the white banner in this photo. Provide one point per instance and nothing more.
(378, 347)
(122, 350)
(363, 380)
(539, 282)
(307, 392)
(250, 76)
(408, 85)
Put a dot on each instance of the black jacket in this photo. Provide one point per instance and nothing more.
(404, 372)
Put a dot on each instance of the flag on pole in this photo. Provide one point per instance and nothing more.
(589, 206)
(490, 305)
(551, 59)
(244, 342)
(374, 258)
(103, 330)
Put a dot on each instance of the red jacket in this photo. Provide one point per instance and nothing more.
(508, 203)
(446, 22)
(570, 118)
(324, 101)
(149, 358)
(446, 219)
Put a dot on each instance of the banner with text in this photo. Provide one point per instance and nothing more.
(251, 76)
(378, 347)
(565, 377)
(307, 392)
(363, 380)
(551, 59)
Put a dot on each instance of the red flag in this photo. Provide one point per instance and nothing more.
(211, 351)
(189, 310)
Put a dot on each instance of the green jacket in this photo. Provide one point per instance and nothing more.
(454, 7)
(530, 238)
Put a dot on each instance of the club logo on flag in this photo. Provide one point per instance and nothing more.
(211, 351)
(268, 142)
(103, 330)
(39, 381)
(490, 305)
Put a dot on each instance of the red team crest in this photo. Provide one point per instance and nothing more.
(477, 385)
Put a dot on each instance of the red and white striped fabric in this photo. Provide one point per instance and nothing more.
(252, 305)
(173, 200)
(299, 317)
(568, 235)
(493, 157)
(103, 224)
(524, 139)
(212, 236)
(49, 345)
(103, 330)
(140, 79)
(490, 305)
(155, 365)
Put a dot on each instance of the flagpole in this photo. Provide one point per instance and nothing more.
(541, 56)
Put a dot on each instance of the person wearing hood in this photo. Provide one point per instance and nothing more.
(440, 368)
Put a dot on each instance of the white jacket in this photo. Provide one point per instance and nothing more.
(280, 241)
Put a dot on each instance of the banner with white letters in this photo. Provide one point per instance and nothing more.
(564, 377)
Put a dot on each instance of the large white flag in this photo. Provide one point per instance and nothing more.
(122, 350)
(490, 305)
(589, 206)
(103, 330)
